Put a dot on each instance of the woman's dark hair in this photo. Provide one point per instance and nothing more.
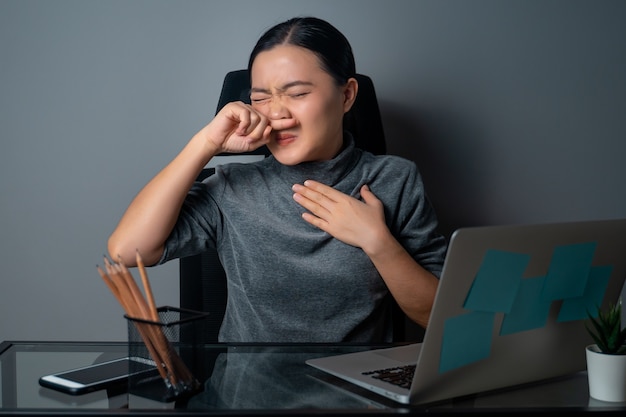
(320, 37)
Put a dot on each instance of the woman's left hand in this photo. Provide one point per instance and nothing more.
(355, 222)
(361, 223)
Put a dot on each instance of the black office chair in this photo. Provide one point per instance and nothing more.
(202, 278)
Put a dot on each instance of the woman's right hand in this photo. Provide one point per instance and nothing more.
(237, 128)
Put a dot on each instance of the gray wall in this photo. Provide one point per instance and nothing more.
(514, 111)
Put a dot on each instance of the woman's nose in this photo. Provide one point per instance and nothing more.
(277, 109)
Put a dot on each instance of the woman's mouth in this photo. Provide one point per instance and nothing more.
(284, 138)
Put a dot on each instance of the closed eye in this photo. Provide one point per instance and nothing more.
(259, 99)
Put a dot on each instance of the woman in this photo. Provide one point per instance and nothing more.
(314, 237)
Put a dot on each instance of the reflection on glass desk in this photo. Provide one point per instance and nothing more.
(255, 379)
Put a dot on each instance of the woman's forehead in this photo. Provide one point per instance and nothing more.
(285, 64)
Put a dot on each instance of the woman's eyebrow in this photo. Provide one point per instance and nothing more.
(283, 88)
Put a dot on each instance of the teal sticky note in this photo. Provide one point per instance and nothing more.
(529, 310)
(496, 282)
(568, 271)
(466, 339)
(577, 308)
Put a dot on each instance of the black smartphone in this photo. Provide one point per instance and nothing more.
(104, 375)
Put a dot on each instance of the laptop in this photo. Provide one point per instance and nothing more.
(510, 309)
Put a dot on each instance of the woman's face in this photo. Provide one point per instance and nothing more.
(289, 83)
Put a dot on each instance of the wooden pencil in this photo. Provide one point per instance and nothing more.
(146, 286)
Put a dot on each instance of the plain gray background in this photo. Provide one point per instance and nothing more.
(515, 112)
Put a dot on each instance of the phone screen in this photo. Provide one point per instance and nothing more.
(98, 372)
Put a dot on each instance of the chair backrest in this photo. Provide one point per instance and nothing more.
(202, 278)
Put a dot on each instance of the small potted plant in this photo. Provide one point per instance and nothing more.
(606, 359)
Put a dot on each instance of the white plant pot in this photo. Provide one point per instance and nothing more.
(607, 375)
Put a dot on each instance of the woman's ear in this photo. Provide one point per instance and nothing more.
(350, 91)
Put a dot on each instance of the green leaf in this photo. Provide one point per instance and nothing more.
(607, 330)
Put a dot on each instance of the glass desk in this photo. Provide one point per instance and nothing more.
(256, 379)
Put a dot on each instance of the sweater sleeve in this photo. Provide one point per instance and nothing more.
(199, 221)
(413, 220)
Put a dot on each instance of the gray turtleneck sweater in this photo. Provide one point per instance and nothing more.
(287, 280)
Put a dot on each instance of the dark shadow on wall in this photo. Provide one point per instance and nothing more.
(450, 154)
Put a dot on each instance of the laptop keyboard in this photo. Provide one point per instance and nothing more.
(400, 375)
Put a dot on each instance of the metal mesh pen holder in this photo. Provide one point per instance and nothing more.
(173, 349)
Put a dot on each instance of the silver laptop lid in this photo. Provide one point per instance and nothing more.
(511, 305)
